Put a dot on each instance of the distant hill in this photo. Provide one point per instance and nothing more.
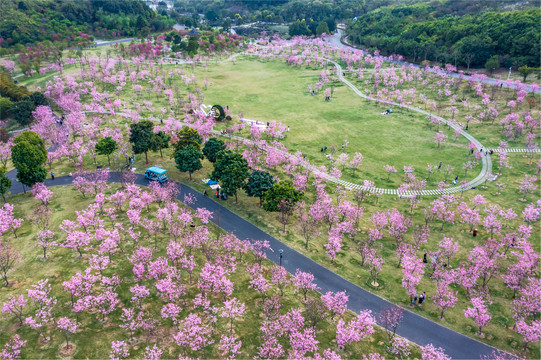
(28, 21)
(461, 32)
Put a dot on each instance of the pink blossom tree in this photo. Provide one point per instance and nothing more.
(119, 350)
(357, 329)
(479, 313)
(336, 302)
(430, 352)
(12, 349)
(413, 270)
(390, 319)
(9, 257)
(304, 282)
(67, 326)
(444, 298)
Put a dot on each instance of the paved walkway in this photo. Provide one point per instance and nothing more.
(414, 327)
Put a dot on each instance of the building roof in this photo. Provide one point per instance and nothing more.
(157, 170)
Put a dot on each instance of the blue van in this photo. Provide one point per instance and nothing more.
(156, 174)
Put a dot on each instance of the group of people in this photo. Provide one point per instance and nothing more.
(421, 298)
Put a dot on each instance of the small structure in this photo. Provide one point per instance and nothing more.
(155, 173)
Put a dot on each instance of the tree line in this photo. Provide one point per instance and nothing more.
(424, 31)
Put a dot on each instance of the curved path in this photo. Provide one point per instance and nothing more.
(485, 160)
(414, 327)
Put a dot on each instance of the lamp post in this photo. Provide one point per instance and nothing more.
(281, 251)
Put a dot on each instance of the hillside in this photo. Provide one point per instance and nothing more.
(459, 32)
(29, 21)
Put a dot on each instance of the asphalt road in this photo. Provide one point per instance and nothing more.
(413, 327)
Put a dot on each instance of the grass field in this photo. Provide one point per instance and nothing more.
(94, 341)
(269, 91)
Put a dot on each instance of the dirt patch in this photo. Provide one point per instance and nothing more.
(67, 351)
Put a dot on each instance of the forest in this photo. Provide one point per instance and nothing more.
(434, 31)
(26, 22)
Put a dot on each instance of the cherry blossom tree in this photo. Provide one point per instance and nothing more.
(357, 329)
(430, 352)
(15, 306)
(413, 270)
(479, 313)
(336, 302)
(119, 350)
(303, 282)
(440, 137)
(399, 347)
(527, 185)
(12, 349)
(230, 345)
(67, 326)
(232, 309)
(390, 318)
(9, 257)
(444, 298)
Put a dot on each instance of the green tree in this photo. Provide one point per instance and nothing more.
(299, 28)
(5, 105)
(234, 178)
(5, 183)
(140, 22)
(22, 112)
(525, 70)
(106, 146)
(331, 23)
(284, 190)
(282, 197)
(141, 137)
(186, 137)
(188, 159)
(492, 64)
(322, 28)
(212, 147)
(37, 98)
(193, 46)
(259, 182)
(31, 175)
(33, 139)
(226, 25)
(231, 170)
(224, 159)
(28, 155)
(159, 142)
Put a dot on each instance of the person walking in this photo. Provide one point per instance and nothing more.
(475, 233)
(205, 192)
(52, 175)
(439, 166)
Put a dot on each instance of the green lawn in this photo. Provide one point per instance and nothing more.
(94, 340)
(269, 91)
